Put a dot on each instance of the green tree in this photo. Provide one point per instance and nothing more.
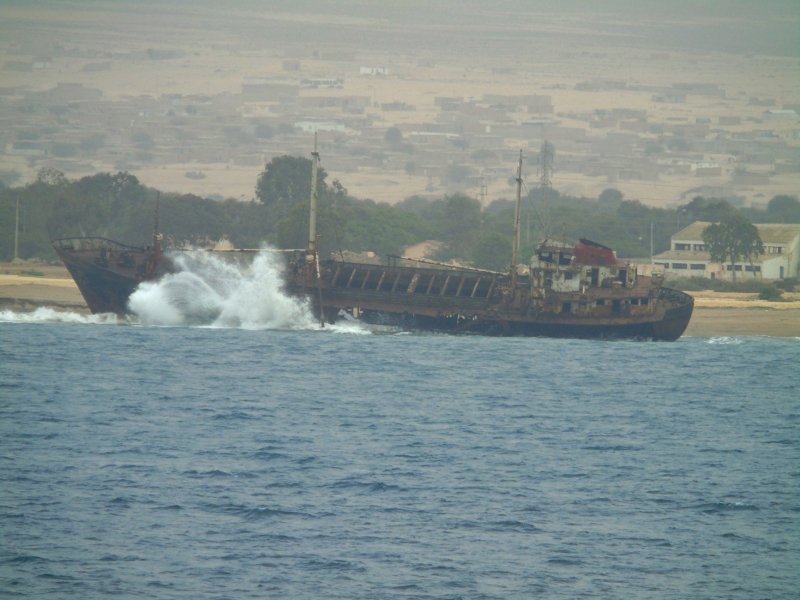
(458, 221)
(286, 181)
(48, 176)
(493, 251)
(784, 209)
(731, 239)
(707, 209)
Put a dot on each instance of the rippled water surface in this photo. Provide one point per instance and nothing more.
(190, 462)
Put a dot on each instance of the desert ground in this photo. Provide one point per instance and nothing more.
(536, 52)
(27, 286)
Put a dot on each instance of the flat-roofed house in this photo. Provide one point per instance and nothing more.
(688, 257)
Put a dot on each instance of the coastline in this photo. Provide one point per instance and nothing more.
(25, 287)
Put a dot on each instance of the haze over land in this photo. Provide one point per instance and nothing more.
(661, 101)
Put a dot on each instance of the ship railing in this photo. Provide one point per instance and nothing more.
(87, 244)
(411, 267)
(288, 251)
(675, 296)
(403, 261)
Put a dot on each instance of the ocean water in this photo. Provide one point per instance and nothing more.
(212, 449)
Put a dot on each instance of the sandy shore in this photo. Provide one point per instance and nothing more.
(24, 287)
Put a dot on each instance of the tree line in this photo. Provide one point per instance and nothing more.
(119, 207)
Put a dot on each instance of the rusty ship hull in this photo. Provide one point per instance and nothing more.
(420, 297)
(452, 300)
(108, 272)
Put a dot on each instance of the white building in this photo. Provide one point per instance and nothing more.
(374, 71)
(688, 257)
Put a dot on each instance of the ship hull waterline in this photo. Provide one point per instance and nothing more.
(107, 289)
(668, 328)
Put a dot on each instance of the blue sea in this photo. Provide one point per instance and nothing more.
(140, 460)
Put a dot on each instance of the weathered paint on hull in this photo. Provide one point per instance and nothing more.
(668, 329)
(659, 331)
(107, 288)
(104, 290)
(641, 331)
(489, 316)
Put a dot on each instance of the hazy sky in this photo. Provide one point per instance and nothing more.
(738, 26)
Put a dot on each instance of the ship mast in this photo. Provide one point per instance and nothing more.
(152, 262)
(157, 237)
(312, 254)
(515, 246)
(312, 215)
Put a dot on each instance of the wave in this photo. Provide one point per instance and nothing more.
(725, 340)
(724, 507)
(209, 291)
(50, 315)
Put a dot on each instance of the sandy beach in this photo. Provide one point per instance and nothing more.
(26, 286)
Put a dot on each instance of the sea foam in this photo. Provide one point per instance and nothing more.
(215, 292)
(50, 315)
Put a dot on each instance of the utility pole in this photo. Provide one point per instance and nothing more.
(515, 247)
(546, 157)
(16, 232)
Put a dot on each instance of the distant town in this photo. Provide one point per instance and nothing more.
(393, 125)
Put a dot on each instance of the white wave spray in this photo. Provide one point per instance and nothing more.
(214, 292)
(49, 315)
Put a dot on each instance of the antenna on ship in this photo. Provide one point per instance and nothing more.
(156, 233)
(546, 157)
(312, 215)
(515, 247)
(312, 254)
(157, 237)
